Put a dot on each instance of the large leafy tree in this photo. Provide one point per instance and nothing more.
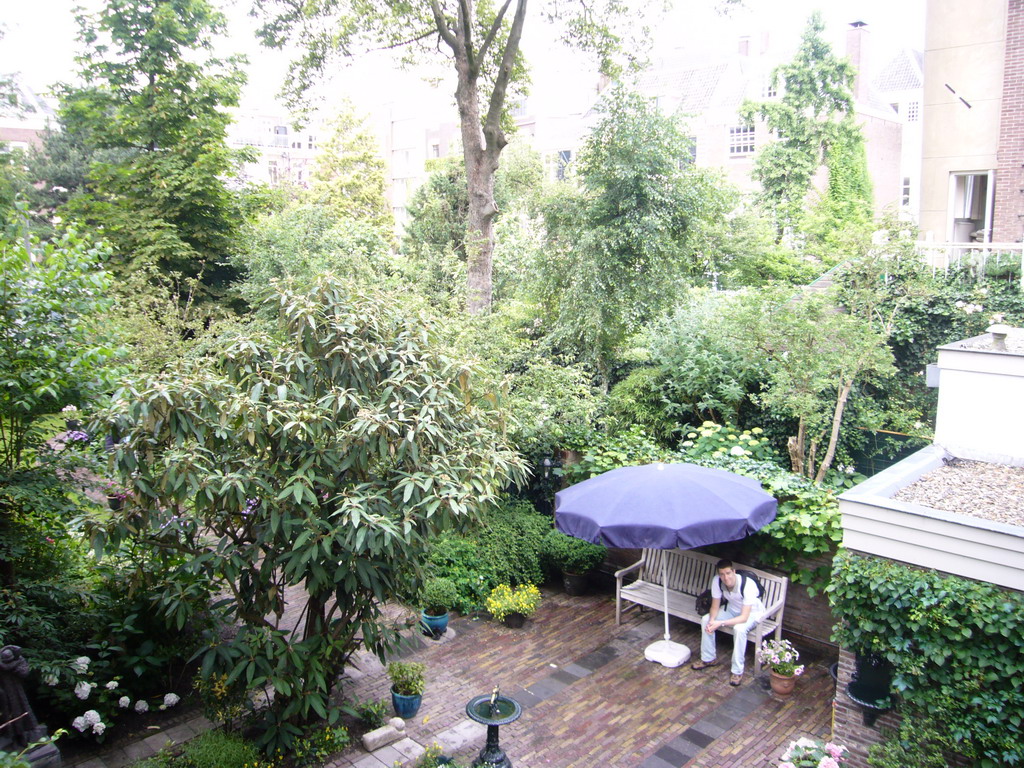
(619, 250)
(151, 90)
(348, 176)
(814, 354)
(323, 457)
(481, 40)
(54, 342)
(813, 114)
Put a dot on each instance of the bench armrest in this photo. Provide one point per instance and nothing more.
(773, 609)
(629, 569)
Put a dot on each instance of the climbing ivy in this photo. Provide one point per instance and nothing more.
(953, 645)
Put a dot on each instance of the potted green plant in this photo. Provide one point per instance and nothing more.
(408, 681)
(512, 606)
(437, 598)
(574, 558)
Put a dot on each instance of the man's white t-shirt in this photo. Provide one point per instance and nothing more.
(749, 596)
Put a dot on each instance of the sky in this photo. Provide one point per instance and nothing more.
(39, 40)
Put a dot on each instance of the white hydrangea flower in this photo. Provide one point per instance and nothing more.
(111, 685)
(81, 664)
(99, 728)
(124, 702)
(50, 680)
(171, 699)
(82, 690)
(79, 724)
(92, 717)
(141, 706)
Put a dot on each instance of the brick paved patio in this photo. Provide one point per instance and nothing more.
(589, 698)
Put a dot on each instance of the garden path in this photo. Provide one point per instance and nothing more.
(589, 698)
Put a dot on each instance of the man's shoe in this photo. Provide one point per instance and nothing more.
(736, 680)
(704, 664)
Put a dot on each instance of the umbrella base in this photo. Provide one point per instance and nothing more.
(667, 653)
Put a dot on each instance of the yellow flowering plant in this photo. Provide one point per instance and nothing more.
(504, 600)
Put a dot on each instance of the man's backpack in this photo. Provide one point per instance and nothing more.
(744, 575)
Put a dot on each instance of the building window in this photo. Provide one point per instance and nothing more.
(691, 155)
(769, 90)
(311, 143)
(906, 191)
(435, 150)
(518, 109)
(273, 171)
(913, 111)
(564, 158)
(281, 130)
(741, 140)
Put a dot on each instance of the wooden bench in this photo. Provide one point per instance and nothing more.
(689, 573)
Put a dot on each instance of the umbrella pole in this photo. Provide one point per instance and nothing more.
(664, 586)
(665, 652)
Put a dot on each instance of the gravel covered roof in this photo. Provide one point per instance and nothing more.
(973, 488)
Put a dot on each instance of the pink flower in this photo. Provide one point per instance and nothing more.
(828, 762)
(834, 750)
(786, 765)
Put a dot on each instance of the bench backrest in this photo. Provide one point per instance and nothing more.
(691, 572)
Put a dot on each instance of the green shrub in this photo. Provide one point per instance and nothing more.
(626, 448)
(462, 561)
(505, 548)
(372, 713)
(920, 741)
(572, 555)
(316, 746)
(438, 596)
(211, 749)
(953, 646)
(217, 749)
(512, 536)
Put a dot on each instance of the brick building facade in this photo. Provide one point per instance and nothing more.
(1008, 213)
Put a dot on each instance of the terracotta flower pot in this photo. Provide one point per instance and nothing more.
(782, 684)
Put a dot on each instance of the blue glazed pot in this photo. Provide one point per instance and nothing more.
(436, 625)
(406, 707)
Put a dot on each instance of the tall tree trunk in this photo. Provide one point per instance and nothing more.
(837, 420)
(482, 140)
(795, 445)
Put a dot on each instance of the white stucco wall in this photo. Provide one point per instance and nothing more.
(981, 403)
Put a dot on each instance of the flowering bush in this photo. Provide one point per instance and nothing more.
(781, 656)
(504, 600)
(70, 410)
(711, 439)
(105, 699)
(808, 753)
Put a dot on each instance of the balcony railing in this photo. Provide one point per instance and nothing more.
(975, 256)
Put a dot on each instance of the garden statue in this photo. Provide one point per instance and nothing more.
(18, 725)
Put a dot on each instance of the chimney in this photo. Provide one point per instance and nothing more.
(856, 52)
(744, 45)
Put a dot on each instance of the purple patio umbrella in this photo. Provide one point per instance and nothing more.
(663, 506)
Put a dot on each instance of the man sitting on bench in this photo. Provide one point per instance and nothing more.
(742, 611)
